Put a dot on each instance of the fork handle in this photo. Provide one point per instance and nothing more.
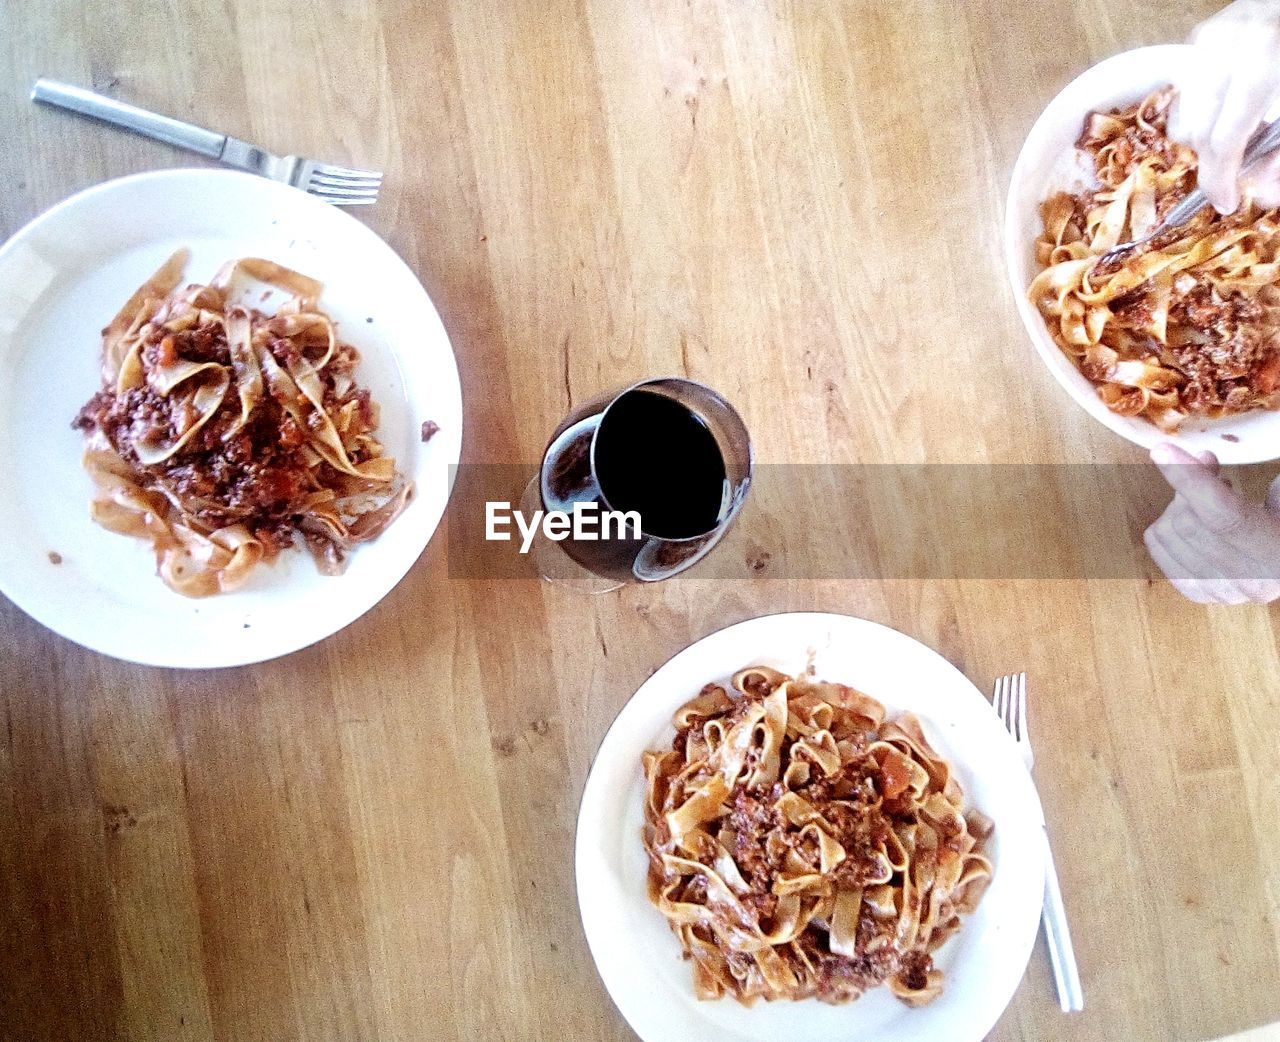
(130, 117)
(1057, 936)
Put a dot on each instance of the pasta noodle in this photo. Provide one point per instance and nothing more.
(1184, 325)
(221, 432)
(800, 846)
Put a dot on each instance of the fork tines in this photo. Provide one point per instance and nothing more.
(343, 185)
(1010, 703)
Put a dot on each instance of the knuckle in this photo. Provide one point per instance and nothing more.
(1223, 522)
(1220, 512)
(1184, 524)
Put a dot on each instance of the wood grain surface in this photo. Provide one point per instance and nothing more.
(797, 203)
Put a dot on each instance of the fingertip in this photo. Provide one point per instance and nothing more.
(1220, 190)
(1221, 193)
(1168, 452)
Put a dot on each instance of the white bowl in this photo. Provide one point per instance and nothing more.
(1049, 162)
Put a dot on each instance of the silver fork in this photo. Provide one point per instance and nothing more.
(340, 185)
(1264, 141)
(1010, 701)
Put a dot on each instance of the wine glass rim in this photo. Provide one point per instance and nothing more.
(739, 486)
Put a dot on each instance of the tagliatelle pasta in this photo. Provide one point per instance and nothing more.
(222, 432)
(801, 846)
(1188, 324)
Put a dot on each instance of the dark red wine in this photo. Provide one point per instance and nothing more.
(656, 457)
(644, 452)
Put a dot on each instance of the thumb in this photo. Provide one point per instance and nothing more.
(1196, 480)
(1167, 455)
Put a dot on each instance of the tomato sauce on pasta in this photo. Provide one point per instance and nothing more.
(221, 434)
(801, 846)
(1185, 325)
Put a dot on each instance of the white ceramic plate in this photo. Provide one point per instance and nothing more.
(64, 276)
(639, 958)
(1048, 162)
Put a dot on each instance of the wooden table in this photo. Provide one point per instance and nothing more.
(797, 203)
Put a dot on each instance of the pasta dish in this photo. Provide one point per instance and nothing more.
(800, 846)
(1186, 324)
(221, 433)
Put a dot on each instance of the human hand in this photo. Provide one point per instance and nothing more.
(1215, 546)
(1228, 87)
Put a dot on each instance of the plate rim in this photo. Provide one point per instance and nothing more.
(392, 576)
(1030, 930)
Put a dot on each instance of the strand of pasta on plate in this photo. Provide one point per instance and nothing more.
(222, 433)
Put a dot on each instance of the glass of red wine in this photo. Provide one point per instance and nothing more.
(670, 455)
